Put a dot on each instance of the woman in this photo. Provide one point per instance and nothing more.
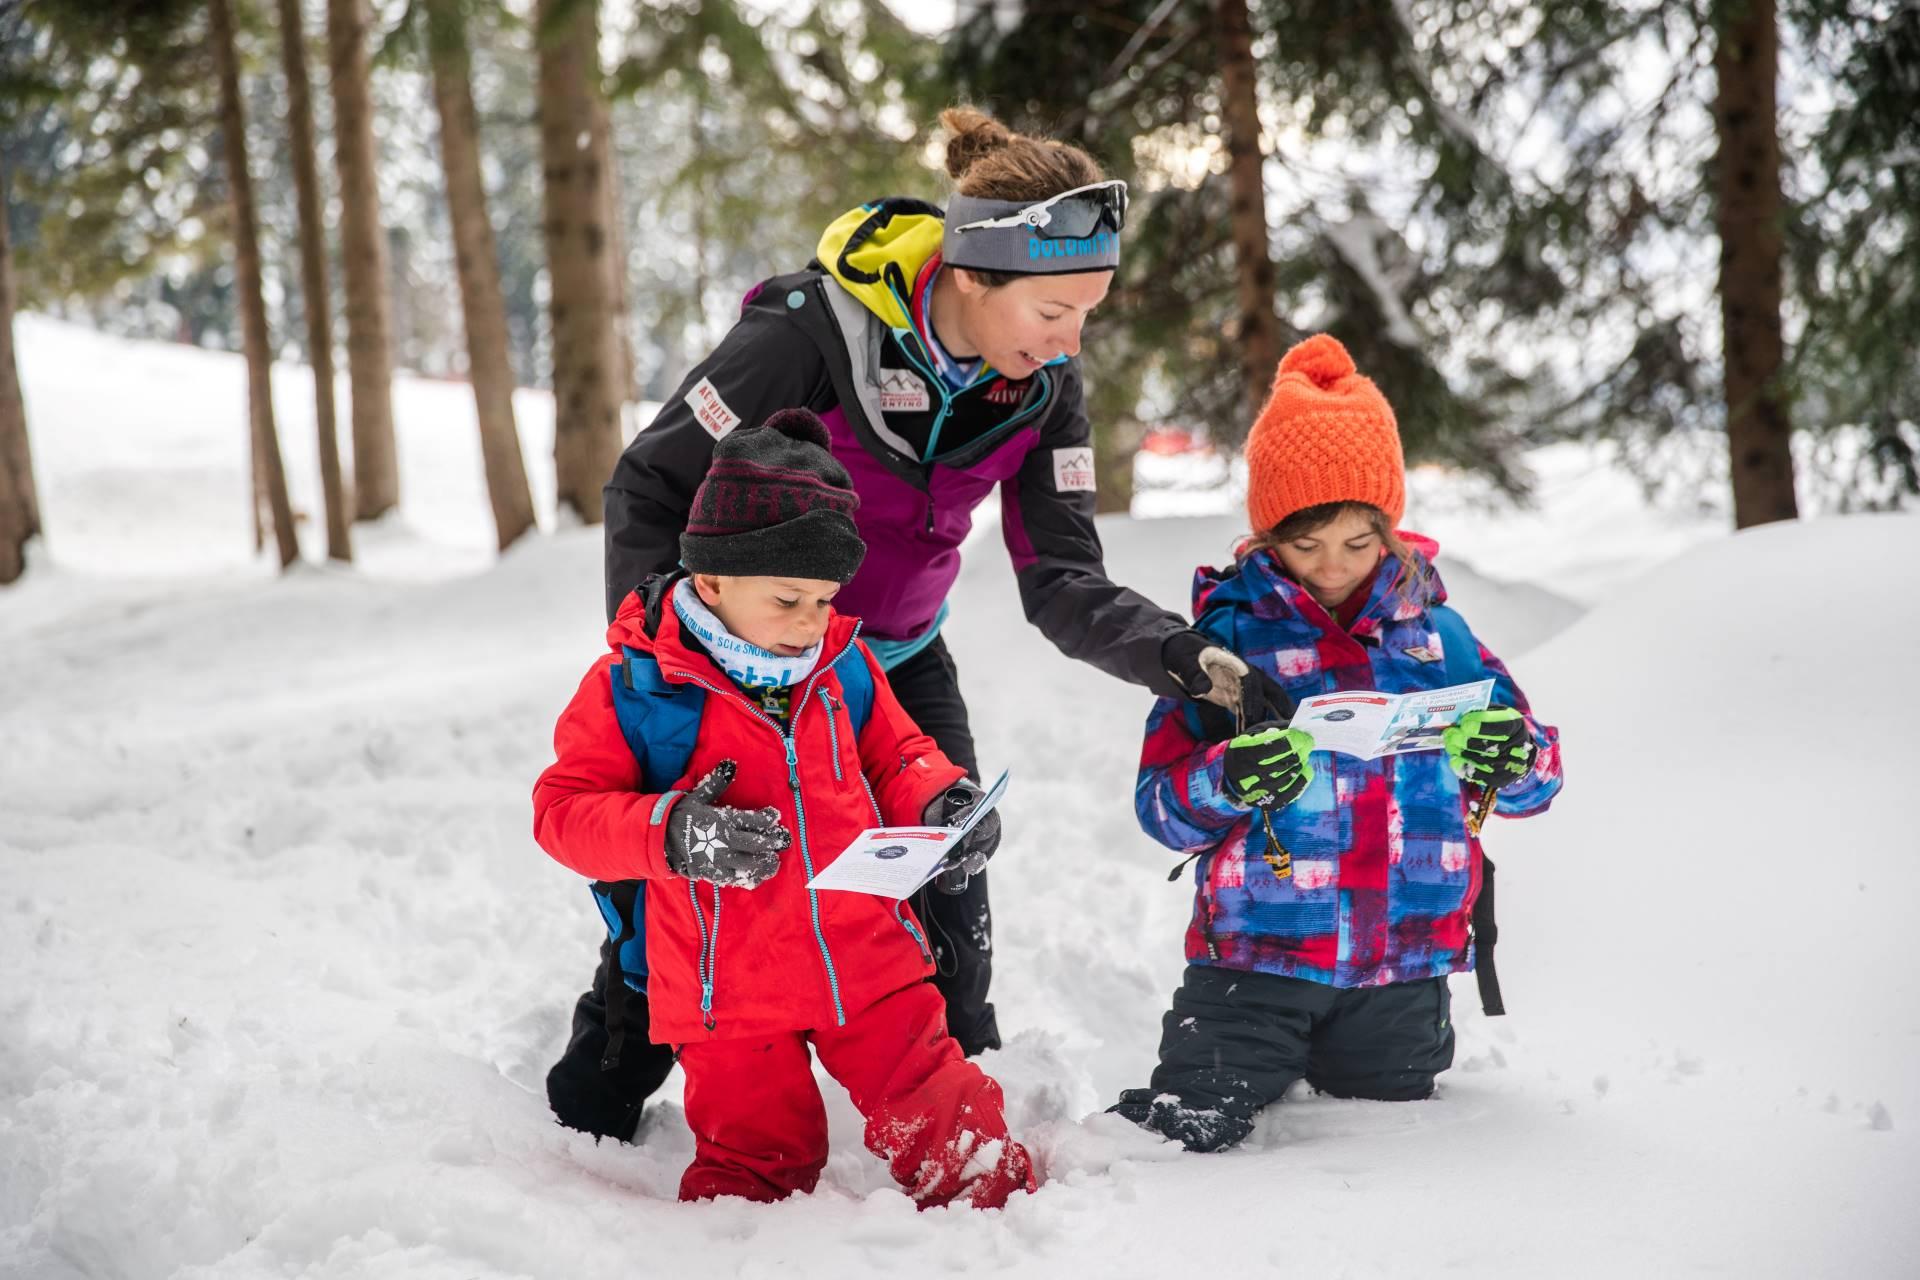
(940, 350)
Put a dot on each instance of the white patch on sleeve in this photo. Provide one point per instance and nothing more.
(709, 410)
(1073, 470)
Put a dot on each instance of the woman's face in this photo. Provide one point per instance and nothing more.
(1333, 559)
(1020, 326)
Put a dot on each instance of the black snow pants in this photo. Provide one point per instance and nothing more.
(610, 1068)
(1235, 1040)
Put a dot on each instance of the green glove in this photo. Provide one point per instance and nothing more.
(1491, 748)
(1266, 766)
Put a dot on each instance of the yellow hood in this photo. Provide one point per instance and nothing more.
(875, 252)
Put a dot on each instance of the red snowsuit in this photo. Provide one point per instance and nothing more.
(784, 964)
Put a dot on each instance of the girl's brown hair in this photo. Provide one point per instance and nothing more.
(989, 161)
(1415, 581)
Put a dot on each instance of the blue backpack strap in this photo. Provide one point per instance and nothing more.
(660, 722)
(856, 686)
(1462, 650)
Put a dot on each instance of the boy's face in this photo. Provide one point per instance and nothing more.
(786, 616)
(1333, 559)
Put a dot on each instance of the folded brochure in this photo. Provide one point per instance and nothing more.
(1369, 725)
(894, 862)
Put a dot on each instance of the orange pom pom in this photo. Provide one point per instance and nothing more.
(1320, 359)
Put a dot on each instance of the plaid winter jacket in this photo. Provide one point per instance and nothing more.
(1384, 870)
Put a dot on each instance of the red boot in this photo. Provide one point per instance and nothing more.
(936, 1119)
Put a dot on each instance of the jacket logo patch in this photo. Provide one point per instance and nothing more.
(901, 392)
(1073, 470)
(1003, 392)
(1421, 653)
(709, 410)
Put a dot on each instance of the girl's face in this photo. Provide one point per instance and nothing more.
(1021, 325)
(786, 616)
(1334, 559)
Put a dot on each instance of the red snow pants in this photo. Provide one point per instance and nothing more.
(760, 1128)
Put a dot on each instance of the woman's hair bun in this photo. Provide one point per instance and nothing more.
(974, 134)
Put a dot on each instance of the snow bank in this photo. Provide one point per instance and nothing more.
(284, 967)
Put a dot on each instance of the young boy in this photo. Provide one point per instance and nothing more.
(746, 965)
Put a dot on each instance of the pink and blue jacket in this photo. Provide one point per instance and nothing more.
(1384, 870)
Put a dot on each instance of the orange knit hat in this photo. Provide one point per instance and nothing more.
(1326, 435)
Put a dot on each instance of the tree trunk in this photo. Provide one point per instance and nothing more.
(1259, 334)
(376, 479)
(488, 366)
(1750, 216)
(615, 214)
(1112, 402)
(19, 499)
(246, 273)
(313, 274)
(586, 430)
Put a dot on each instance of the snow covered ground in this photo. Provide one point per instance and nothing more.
(283, 967)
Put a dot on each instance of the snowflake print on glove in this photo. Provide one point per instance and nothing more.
(736, 848)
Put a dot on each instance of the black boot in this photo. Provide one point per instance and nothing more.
(609, 1068)
(960, 936)
(1198, 1129)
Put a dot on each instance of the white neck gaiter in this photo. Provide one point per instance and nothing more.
(747, 665)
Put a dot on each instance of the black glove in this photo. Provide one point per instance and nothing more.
(1491, 747)
(731, 847)
(969, 858)
(1266, 767)
(1202, 668)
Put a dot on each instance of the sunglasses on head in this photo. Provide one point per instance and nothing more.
(1071, 215)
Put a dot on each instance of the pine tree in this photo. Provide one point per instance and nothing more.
(1750, 217)
(1854, 256)
(316, 301)
(259, 351)
(1151, 87)
(1505, 300)
(19, 499)
(101, 97)
(1256, 335)
(586, 431)
(376, 476)
(488, 366)
(736, 107)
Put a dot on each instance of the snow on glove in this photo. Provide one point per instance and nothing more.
(1491, 747)
(950, 809)
(1204, 669)
(1266, 767)
(736, 848)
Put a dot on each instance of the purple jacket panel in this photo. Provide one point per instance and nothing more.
(913, 536)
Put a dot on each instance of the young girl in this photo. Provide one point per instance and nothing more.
(1334, 893)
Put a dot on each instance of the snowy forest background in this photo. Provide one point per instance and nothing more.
(321, 322)
(1532, 221)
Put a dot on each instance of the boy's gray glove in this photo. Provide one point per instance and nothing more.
(735, 848)
(969, 858)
